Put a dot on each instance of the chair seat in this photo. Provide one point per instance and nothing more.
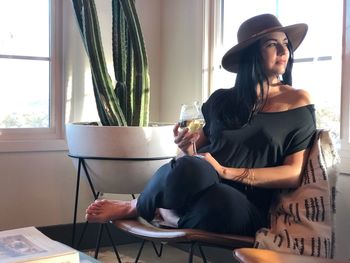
(144, 230)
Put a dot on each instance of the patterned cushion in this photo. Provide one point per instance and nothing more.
(302, 218)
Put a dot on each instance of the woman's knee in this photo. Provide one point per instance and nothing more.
(188, 177)
(191, 170)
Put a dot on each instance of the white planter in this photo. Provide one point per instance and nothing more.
(140, 150)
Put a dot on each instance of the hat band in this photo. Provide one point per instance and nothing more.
(262, 32)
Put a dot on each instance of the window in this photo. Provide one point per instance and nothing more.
(30, 101)
(317, 66)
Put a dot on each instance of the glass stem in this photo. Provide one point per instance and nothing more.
(194, 148)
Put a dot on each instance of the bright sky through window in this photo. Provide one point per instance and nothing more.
(24, 63)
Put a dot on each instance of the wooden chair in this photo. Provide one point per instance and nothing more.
(195, 238)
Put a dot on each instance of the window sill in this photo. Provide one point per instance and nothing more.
(33, 146)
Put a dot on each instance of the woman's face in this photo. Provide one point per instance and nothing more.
(274, 53)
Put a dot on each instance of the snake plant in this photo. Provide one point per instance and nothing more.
(127, 102)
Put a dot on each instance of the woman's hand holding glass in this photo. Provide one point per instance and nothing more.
(186, 132)
(184, 139)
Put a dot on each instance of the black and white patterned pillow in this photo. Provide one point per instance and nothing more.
(302, 218)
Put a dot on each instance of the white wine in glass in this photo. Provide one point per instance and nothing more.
(192, 118)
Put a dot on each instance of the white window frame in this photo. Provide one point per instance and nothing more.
(211, 42)
(345, 94)
(212, 22)
(52, 138)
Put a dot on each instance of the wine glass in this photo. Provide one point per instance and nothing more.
(192, 118)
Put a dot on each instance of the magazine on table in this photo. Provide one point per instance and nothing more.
(30, 245)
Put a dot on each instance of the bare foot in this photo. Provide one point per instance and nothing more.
(103, 211)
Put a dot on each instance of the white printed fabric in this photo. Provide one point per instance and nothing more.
(302, 218)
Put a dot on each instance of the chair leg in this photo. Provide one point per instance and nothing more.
(202, 253)
(190, 254)
(113, 244)
(98, 242)
(159, 253)
(82, 235)
(140, 250)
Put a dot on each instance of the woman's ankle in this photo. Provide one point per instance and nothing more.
(133, 208)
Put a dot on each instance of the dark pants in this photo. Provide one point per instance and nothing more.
(191, 187)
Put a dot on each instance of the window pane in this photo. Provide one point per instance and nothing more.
(325, 91)
(24, 89)
(325, 25)
(24, 27)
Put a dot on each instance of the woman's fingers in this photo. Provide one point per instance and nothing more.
(180, 135)
(184, 138)
(176, 129)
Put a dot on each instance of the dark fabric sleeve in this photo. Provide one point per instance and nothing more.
(302, 136)
(205, 113)
(209, 109)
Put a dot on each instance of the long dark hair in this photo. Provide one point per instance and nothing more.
(243, 101)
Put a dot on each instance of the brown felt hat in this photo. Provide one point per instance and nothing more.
(254, 29)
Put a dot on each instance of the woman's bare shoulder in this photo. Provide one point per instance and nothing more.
(297, 97)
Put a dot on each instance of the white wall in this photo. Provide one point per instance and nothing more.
(182, 42)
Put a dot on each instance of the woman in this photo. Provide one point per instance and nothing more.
(255, 140)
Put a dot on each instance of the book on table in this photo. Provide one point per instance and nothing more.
(28, 244)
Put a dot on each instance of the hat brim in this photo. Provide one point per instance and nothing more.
(295, 33)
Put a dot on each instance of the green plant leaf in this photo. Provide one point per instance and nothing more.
(126, 103)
